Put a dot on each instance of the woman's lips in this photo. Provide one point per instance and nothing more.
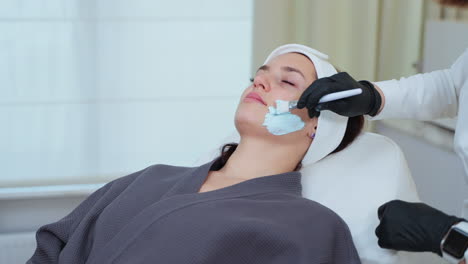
(254, 97)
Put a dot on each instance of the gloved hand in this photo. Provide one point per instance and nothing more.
(366, 103)
(412, 226)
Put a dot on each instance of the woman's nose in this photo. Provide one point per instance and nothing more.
(262, 82)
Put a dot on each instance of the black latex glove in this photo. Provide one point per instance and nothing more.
(413, 227)
(366, 103)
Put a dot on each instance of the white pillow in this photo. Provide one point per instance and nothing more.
(355, 182)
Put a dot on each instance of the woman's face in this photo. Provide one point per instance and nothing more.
(285, 77)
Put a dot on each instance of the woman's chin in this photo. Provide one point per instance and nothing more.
(246, 115)
(251, 127)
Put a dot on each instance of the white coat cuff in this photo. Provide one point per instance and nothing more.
(391, 93)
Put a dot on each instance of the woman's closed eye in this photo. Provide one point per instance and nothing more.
(288, 82)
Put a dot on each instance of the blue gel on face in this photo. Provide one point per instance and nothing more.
(281, 124)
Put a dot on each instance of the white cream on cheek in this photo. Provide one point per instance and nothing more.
(281, 124)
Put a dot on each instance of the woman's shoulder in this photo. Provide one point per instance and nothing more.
(310, 222)
(319, 213)
(301, 210)
(156, 172)
(168, 171)
(316, 220)
(149, 179)
(168, 168)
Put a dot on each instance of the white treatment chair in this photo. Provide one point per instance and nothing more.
(354, 183)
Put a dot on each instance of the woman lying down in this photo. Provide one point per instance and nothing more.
(243, 207)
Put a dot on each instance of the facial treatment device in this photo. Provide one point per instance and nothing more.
(285, 106)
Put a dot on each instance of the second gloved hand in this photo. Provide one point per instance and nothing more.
(413, 227)
(366, 103)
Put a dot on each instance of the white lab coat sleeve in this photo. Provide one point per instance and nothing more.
(433, 95)
(425, 96)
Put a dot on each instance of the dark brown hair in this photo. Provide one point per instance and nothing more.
(353, 129)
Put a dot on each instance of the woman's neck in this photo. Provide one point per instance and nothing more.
(255, 158)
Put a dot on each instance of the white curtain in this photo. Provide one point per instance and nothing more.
(47, 77)
(96, 89)
(371, 39)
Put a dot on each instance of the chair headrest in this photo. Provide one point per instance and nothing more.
(354, 183)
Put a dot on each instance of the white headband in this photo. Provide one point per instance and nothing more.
(331, 127)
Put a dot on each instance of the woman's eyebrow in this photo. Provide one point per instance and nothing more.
(264, 67)
(284, 68)
(291, 69)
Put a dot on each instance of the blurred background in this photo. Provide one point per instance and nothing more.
(92, 90)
